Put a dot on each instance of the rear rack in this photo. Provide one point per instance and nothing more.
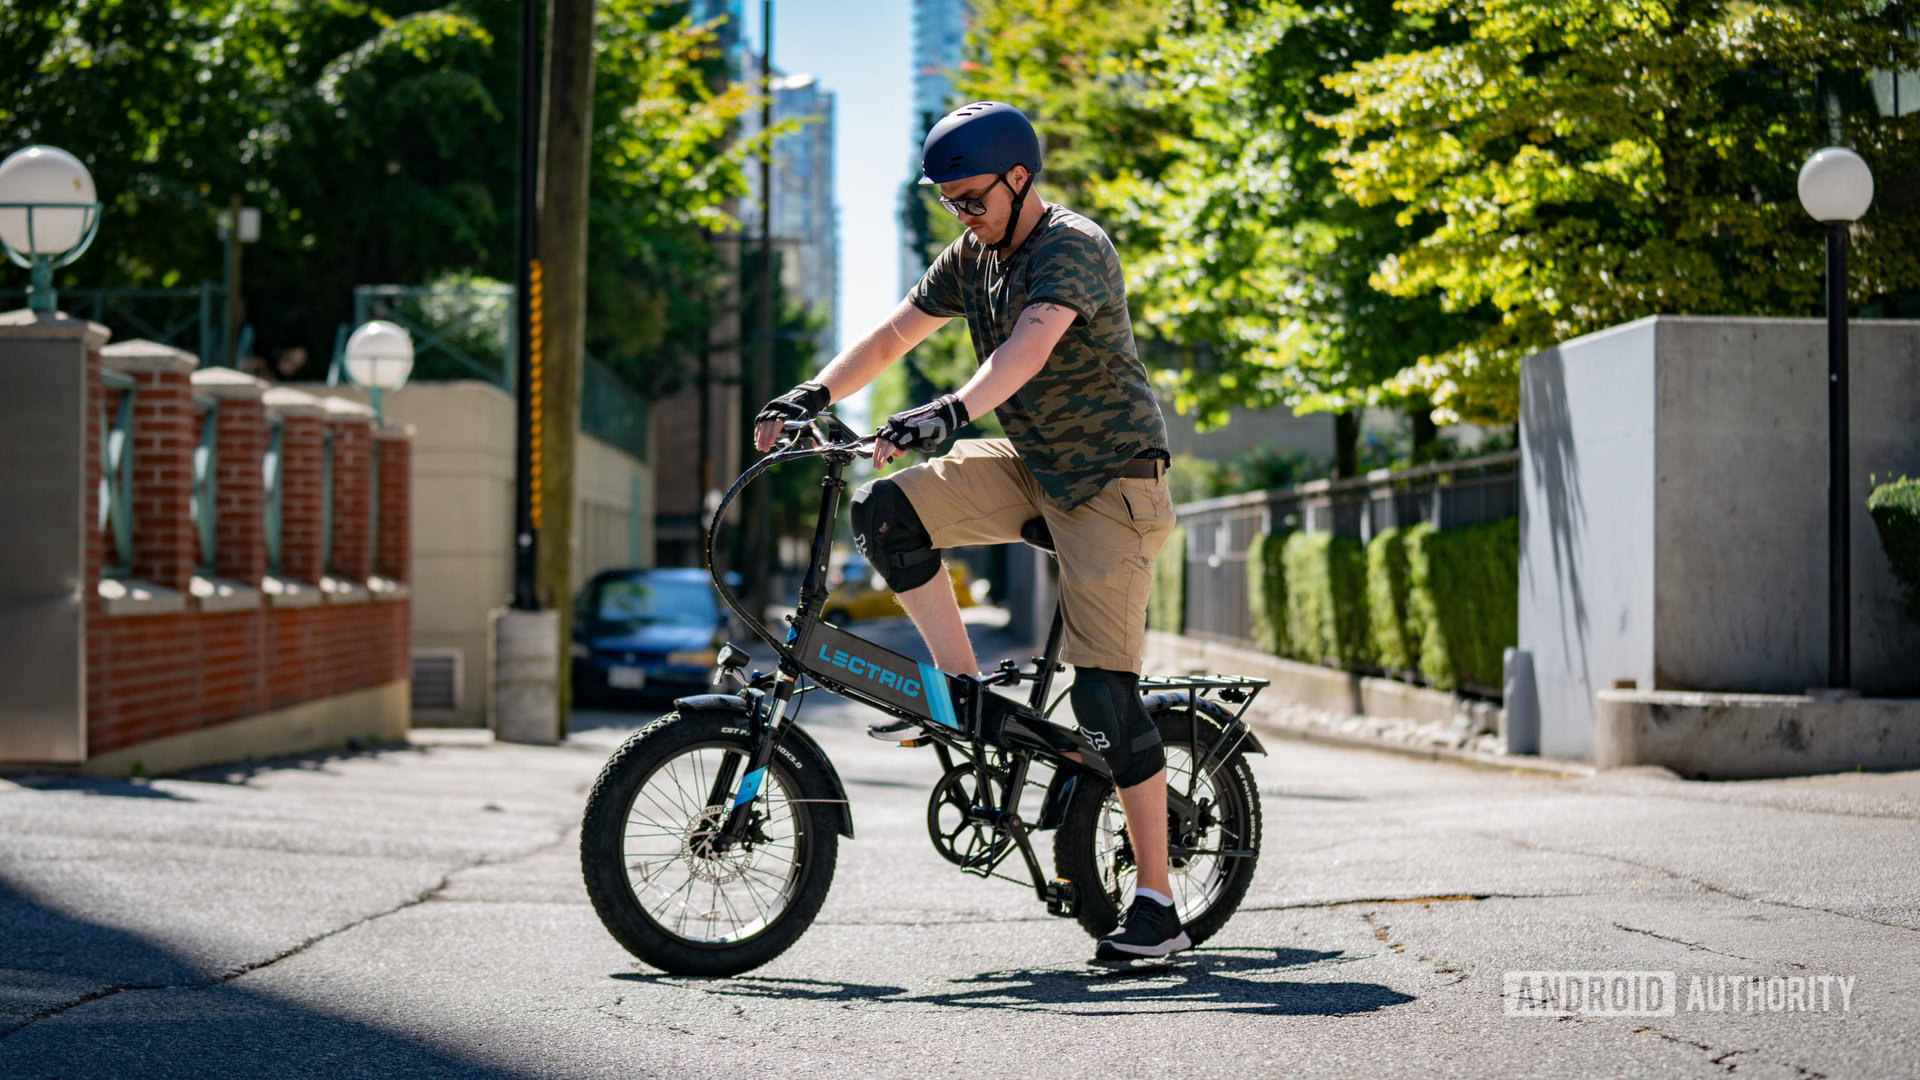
(1237, 690)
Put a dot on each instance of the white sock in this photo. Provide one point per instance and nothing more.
(1157, 897)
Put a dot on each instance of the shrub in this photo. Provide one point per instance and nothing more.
(1267, 591)
(1394, 647)
(1167, 603)
(1325, 589)
(1463, 600)
(1895, 507)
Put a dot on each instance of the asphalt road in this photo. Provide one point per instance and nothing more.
(419, 912)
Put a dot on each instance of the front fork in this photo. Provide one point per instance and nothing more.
(768, 714)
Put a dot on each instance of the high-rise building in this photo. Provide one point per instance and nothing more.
(730, 32)
(806, 225)
(939, 45)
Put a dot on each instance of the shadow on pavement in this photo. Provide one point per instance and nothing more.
(93, 785)
(79, 999)
(1205, 980)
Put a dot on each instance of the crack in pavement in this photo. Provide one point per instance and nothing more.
(1721, 1056)
(1707, 885)
(296, 949)
(1446, 898)
(1704, 948)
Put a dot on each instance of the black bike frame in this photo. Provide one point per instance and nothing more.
(957, 714)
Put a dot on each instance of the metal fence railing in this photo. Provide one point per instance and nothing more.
(1445, 495)
(610, 411)
(466, 332)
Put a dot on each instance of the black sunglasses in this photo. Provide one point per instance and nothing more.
(973, 207)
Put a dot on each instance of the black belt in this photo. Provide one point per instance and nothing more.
(1147, 465)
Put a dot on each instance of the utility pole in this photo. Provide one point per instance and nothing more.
(527, 326)
(526, 654)
(759, 545)
(566, 139)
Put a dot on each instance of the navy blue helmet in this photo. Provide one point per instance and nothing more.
(981, 139)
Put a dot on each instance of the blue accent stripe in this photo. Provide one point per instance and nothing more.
(933, 683)
(793, 634)
(750, 786)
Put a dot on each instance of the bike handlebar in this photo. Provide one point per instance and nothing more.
(821, 436)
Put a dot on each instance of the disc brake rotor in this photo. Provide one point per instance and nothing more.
(707, 863)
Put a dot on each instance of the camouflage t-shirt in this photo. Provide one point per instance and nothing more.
(1089, 409)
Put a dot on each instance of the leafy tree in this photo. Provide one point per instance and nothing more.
(1574, 165)
(380, 143)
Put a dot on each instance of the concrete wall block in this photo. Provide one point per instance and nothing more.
(1673, 528)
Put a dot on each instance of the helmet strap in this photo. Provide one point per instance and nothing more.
(1000, 246)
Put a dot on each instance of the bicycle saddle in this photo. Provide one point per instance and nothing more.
(1035, 532)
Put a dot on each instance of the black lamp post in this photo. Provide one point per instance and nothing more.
(1836, 187)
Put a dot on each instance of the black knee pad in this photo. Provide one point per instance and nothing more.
(1107, 704)
(888, 532)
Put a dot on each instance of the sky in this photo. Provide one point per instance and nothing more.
(862, 51)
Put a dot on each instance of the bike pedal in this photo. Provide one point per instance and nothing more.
(1060, 898)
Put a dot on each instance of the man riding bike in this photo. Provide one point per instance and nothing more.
(1045, 302)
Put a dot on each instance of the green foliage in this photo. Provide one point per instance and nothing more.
(1167, 602)
(1895, 507)
(1182, 129)
(1326, 597)
(380, 144)
(1267, 592)
(1570, 166)
(1388, 588)
(1463, 600)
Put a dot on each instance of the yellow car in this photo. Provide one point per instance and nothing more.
(859, 593)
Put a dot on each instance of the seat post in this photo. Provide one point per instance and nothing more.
(1044, 684)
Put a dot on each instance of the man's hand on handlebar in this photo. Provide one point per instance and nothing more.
(803, 402)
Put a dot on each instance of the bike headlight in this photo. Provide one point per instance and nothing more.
(693, 657)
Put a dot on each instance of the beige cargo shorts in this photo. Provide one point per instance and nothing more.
(980, 492)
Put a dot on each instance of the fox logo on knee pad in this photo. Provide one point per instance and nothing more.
(1099, 740)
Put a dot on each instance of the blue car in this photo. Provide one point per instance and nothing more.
(645, 632)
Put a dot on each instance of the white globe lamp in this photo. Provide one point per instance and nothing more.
(1836, 185)
(379, 357)
(48, 214)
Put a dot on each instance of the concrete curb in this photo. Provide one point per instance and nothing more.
(1447, 754)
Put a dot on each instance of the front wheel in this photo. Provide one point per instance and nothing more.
(659, 880)
(1214, 852)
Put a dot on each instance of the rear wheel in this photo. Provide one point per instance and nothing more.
(662, 885)
(1221, 839)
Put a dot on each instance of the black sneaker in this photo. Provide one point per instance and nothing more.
(1148, 929)
(897, 731)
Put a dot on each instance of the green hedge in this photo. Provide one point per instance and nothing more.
(1395, 648)
(1445, 604)
(1326, 591)
(1895, 508)
(1267, 592)
(1167, 603)
(1464, 598)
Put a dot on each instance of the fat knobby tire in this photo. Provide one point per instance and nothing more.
(1075, 843)
(603, 827)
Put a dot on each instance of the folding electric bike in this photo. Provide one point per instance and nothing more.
(709, 839)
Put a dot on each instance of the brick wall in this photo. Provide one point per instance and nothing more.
(240, 541)
(352, 556)
(302, 463)
(165, 429)
(394, 558)
(157, 672)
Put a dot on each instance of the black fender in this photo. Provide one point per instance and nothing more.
(1176, 700)
(798, 747)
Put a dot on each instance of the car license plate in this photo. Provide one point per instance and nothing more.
(626, 678)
